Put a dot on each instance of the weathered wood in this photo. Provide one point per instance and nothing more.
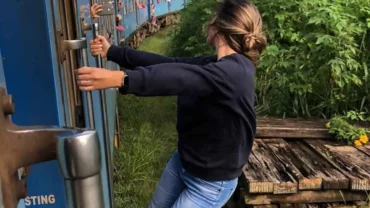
(363, 204)
(293, 205)
(365, 149)
(291, 128)
(313, 166)
(272, 127)
(263, 206)
(285, 181)
(258, 179)
(312, 206)
(306, 197)
(292, 122)
(338, 205)
(346, 159)
(290, 162)
(263, 177)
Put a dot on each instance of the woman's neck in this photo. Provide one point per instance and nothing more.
(223, 50)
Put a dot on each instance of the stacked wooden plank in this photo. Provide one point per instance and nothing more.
(298, 162)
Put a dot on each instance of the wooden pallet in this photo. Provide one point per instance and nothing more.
(298, 162)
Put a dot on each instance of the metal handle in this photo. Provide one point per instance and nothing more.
(105, 126)
(90, 110)
(81, 44)
(80, 163)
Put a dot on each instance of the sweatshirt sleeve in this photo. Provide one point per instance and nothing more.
(130, 58)
(179, 79)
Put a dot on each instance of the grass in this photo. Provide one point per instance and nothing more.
(148, 140)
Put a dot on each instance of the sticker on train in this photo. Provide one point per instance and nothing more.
(39, 200)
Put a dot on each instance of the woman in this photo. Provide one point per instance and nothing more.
(216, 121)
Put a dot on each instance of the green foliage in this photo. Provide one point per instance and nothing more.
(147, 126)
(316, 63)
(189, 37)
(342, 129)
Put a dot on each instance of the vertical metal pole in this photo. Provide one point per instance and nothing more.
(105, 125)
(79, 160)
(88, 94)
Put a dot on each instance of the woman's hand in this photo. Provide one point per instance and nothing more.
(95, 9)
(91, 78)
(99, 46)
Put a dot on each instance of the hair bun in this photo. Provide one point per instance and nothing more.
(249, 41)
(254, 42)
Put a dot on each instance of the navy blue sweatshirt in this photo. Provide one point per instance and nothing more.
(216, 122)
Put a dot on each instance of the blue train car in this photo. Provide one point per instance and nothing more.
(137, 17)
(39, 75)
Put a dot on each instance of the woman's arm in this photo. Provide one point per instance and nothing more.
(164, 79)
(179, 79)
(130, 58)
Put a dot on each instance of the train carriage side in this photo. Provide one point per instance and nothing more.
(137, 18)
(40, 78)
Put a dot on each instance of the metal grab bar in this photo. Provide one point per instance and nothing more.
(81, 44)
(88, 94)
(103, 103)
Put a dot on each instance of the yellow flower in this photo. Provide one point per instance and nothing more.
(358, 143)
(364, 139)
(327, 125)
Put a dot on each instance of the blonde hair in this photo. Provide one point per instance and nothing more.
(240, 23)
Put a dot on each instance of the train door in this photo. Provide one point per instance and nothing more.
(99, 107)
(40, 43)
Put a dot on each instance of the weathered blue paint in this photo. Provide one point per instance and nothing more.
(143, 16)
(28, 71)
(129, 23)
(29, 65)
(161, 8)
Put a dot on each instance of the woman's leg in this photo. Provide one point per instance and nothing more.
(205, 194)
(170, 185)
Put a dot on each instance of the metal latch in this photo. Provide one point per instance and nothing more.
(22, 146)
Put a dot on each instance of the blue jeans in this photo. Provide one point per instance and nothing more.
(179, 189)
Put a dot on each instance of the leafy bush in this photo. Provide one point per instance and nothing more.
(342, 129)
(189, 37)
(316, 64)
